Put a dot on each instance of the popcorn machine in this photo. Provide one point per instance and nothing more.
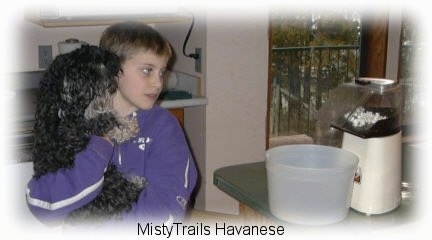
(368, 114)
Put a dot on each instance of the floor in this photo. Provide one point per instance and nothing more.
(246, 216)
(196, 216)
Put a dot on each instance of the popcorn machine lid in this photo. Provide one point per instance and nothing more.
(367, 107)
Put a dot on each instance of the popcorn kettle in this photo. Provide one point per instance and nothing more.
(368, 113)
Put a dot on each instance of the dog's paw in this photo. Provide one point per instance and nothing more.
(128, 127)
(139, 182)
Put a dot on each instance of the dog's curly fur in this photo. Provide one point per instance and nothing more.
(75, 102)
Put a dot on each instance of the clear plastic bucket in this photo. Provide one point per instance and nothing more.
(310, 184)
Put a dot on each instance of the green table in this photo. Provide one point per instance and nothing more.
(247, 183)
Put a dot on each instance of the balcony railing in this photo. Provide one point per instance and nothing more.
(302, 78)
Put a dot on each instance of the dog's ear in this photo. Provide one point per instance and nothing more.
(49, 102)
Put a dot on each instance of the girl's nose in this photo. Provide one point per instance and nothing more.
(157, 81)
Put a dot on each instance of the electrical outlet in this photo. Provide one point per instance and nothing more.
(198, 60)
(45, 56)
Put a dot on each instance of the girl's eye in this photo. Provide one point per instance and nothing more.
(147, 71)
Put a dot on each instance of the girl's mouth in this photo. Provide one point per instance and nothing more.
(152, 96)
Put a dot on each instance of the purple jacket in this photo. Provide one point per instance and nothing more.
(159, 153)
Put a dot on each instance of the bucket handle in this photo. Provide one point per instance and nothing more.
(358, 176)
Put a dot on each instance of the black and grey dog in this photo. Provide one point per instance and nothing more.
(75, 102)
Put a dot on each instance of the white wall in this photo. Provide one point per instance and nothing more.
(237, 73)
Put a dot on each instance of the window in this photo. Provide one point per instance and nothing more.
(411, 50)
(312, 53)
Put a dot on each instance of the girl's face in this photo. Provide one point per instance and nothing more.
(140, 83)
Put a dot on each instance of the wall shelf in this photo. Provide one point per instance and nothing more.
(77, 21)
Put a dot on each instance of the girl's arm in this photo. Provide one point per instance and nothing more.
(171, 175)
(56, 194)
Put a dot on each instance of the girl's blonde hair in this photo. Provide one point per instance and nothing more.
(128, 38)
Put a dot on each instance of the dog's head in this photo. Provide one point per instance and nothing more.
(75, 102)
(78, 85)
(80, 77)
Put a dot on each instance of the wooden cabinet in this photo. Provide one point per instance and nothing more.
(179, 114)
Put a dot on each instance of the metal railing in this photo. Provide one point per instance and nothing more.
(302, 78)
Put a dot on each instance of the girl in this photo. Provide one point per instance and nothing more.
(158, 153)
